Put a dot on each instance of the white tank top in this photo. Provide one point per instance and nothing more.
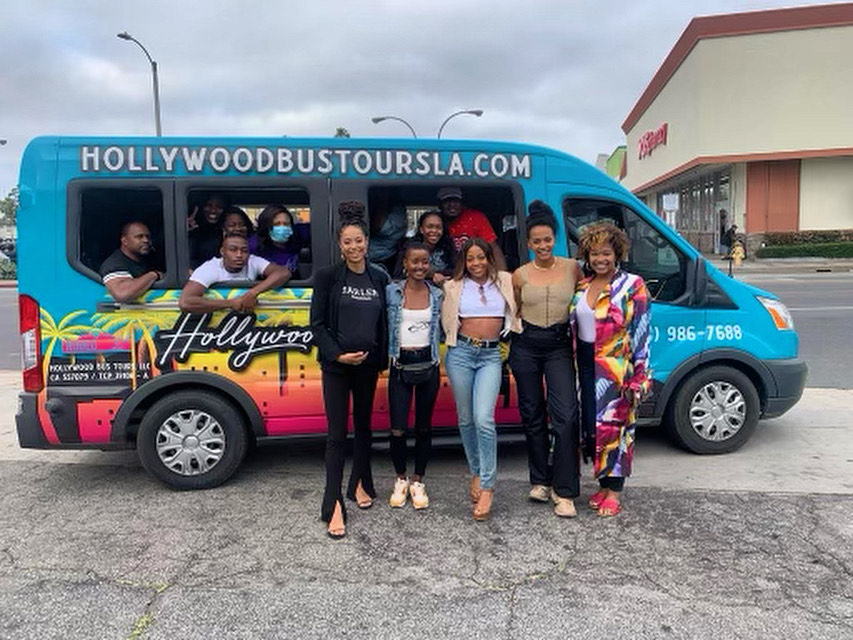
(586, 320)
(414, 328)
(481, 300)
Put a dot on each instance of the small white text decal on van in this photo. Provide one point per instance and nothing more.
(301, 161)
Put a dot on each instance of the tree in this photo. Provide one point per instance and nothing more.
(9, 206)
(341, 132)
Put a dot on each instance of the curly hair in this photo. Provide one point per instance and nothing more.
(603, 232)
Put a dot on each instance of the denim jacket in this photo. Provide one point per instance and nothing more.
(394, 302)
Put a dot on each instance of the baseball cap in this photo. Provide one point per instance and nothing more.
(449, 192)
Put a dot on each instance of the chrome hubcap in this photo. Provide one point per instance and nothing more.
(190, 442)
(717, 411)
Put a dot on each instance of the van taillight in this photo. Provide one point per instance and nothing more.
(30, 343)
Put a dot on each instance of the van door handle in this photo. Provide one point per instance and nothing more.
(107, 306)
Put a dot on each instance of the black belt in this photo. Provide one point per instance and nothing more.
(476, 342)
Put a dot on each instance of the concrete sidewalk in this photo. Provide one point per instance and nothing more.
(784, 265)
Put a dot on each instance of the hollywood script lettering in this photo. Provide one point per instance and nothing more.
(236, 334)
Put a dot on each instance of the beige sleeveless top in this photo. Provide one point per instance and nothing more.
(546, 305)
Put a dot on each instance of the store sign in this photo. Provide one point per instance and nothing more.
(650, 140)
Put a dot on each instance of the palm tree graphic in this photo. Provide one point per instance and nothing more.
(54, 331)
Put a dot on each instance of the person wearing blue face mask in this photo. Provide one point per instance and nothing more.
(274, 239)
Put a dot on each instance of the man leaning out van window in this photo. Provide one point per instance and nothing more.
(234, 264)
(127, 272)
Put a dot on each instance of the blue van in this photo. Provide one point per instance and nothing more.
(106, 374)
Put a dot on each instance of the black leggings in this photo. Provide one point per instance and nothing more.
(586, 375)
(338, 384)
(400, 402)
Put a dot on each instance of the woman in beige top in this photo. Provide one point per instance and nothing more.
(542, 352)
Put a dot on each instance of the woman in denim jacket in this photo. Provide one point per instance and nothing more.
(414, 332)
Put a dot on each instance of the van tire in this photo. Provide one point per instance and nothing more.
(704, 422)
(206, 431)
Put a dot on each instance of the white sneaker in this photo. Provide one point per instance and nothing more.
(420, 499)
(401, 490)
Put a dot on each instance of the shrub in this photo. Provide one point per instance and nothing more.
(777, 238)
(8, 271)
(825, 250)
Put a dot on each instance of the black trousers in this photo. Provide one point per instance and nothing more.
(545, 355)
(400, 401)
(586, 375)
(338, 385)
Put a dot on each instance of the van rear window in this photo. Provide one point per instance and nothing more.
(99, 216)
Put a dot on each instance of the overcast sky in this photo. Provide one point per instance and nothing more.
(563, 73)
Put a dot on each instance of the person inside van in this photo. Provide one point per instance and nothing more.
(127, 272)
(204, 228)
(234, 264)
(442, 255)
(464, 223)
(275, 240)
(235, 220)
(388, 226)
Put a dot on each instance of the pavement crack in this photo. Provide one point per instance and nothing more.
(146, 619)
(513, 601)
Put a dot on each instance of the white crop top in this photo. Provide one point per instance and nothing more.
(481, 300)
(586, 320)
(414, 328)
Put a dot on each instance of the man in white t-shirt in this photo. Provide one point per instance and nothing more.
(234, 264)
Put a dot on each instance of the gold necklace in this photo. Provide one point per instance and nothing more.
(536, 266)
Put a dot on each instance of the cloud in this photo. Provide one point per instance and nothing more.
(562, 73)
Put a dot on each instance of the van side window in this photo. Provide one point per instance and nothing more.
(388, 204)
(99, 214)
(652, 256)
(277, 223)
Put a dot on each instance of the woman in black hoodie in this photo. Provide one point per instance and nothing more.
(350, 331)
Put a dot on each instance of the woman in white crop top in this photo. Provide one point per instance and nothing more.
(478, 306)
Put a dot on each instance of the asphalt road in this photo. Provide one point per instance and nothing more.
(822, 307)
(755, 544)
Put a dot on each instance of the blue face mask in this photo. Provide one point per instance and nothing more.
(281, 232)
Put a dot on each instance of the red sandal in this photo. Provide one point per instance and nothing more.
(611, 505)
(596, 499)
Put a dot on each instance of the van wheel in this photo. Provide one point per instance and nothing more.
(714, 411)
(191, 440)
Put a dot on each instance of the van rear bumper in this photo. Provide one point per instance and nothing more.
(790, 376)
(30, 434)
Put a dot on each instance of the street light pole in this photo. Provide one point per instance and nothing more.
(379, 119)
(470, 112)
(124, 35)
